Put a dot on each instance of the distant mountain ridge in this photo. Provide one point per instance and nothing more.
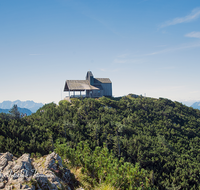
(31, 105)
(196, 105)
(21, 110)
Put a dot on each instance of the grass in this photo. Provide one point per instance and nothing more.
(82, 178)
(105, 187)
(87, 183)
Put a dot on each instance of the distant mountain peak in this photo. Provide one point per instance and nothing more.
(196, 105)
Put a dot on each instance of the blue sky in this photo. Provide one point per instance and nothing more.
(143, 46)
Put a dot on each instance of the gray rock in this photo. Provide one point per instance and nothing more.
(53, 160)
(2, 185)
(8, 156)
(4, 160)
(9, 166)
(15, 176)
(25, 186)
(42, 180)
(67, 176)
(23, 165)
(3, 163)
(1, 177)
(19, 186)
(15, 172)
(32, 188)
(9, 187)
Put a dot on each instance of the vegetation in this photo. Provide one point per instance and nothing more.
(158, 135)
(102, 166)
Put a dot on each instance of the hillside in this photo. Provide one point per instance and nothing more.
(160, 135)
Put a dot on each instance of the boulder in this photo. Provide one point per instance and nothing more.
(25, 173)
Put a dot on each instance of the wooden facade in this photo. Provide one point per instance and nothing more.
(91, 87)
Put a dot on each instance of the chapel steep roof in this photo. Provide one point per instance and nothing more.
(78, 85)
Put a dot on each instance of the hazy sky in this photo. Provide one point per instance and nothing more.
(143, 46)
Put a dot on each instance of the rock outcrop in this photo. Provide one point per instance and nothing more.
(34, 174)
